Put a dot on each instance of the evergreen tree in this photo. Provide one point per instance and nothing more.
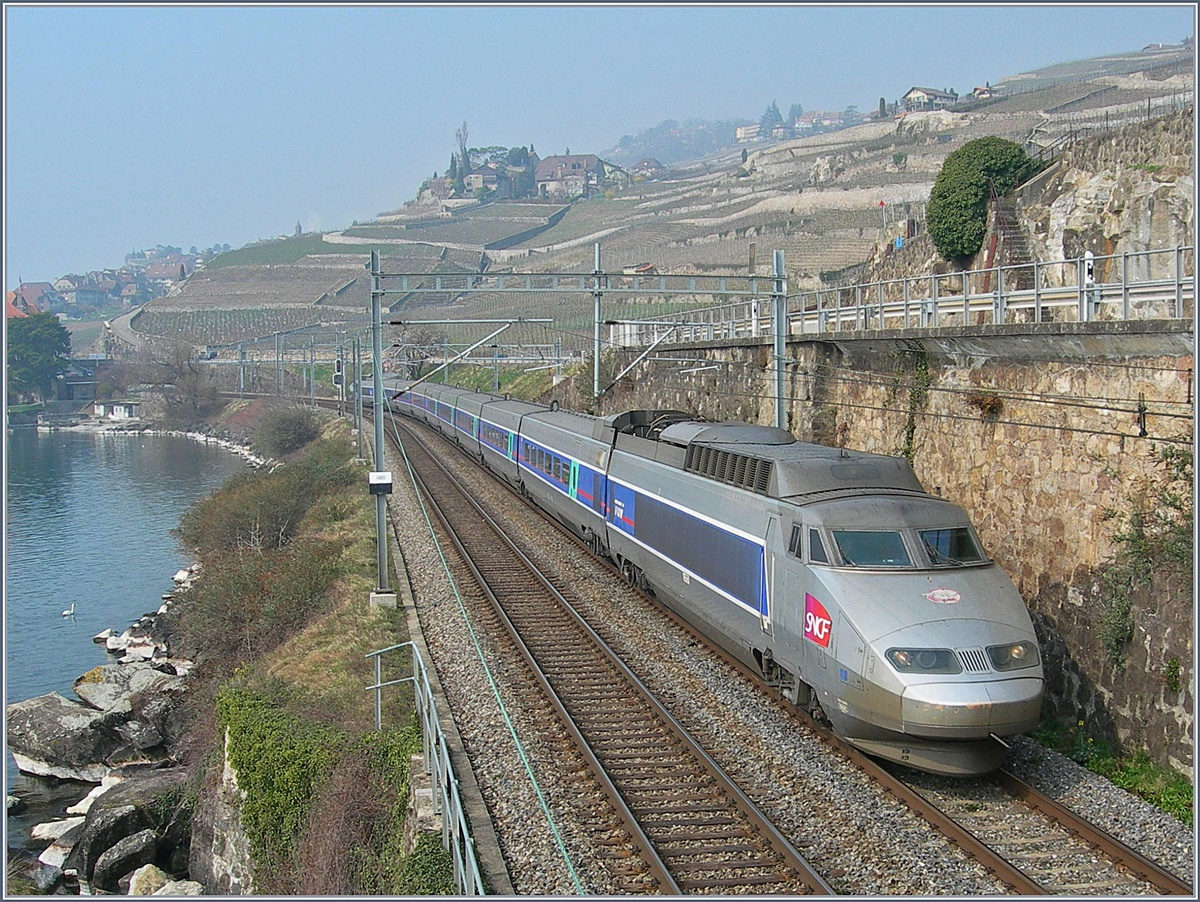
(771, 118)
(795, 111)
(38, 347)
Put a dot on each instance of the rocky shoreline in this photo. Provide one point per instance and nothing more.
(118, 734)
(104, 762)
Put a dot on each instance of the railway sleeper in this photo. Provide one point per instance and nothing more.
(676, 824)
(759, 880)
(741, 833)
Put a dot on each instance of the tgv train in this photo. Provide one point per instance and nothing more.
(833, 573)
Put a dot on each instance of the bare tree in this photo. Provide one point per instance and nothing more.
(188, 384)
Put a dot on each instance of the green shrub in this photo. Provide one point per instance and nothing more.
(284, 431)
(262, 511)
(956, 214)
(1135, 773)
(279, 760)
(250, 602)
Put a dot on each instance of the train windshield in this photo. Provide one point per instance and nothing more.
(954, 546)
(871, 548)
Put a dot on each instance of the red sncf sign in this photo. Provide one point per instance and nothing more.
(817, 624)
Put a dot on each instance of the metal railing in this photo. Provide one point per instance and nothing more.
(1139, 285)
(456, 833)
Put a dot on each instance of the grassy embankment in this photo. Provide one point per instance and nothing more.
(281, 626)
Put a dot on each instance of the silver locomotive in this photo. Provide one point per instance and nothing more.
(833, 573)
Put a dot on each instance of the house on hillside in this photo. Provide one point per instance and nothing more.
(747, 133)
(80, 291)
(648, 169)
(15, 305)
(918, 99)
(491, 177)
(38, 297)
(577, 175)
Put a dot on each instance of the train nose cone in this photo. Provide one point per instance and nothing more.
(972, 710)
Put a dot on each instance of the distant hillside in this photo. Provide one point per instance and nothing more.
(669, 142)
(827, 201)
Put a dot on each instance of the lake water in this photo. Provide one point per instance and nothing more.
(89, 516)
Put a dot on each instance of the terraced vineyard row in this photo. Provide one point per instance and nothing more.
(226, 326)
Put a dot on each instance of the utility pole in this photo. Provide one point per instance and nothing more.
(779, 301)
(596, 295)
(358, 406)
(379, 481)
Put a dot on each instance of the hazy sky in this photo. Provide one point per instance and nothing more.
(131, 126)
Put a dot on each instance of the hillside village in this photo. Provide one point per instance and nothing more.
(144, 276)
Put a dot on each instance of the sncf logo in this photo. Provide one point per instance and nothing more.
(817, 624)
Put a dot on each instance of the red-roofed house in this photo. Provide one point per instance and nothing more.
(571, 176)
(12, 306)
(42, 296)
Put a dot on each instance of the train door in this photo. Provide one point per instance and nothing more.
(774, 571)
(573, 485)
(851, 653)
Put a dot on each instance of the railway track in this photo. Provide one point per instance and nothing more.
(693, 830)
(1027, 840)
(1047, 848)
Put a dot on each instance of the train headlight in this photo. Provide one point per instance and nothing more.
(1013, 657)
(923, 660)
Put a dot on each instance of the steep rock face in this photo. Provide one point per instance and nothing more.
(220, 851)
(1124, 192)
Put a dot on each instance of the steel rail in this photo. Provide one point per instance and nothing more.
(1129, 858)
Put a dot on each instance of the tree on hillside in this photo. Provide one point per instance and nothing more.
(38, 348)
(464, 153)
(795, 111)
(770, 119)
(956, 214)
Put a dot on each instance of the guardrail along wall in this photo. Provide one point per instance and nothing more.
(1157, 284)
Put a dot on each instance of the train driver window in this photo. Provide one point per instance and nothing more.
(794, 543)
(816, 548)
(871, 548)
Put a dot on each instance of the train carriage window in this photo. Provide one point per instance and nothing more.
(871, 548)
(816, 548)
(794, 543)
(955, 546)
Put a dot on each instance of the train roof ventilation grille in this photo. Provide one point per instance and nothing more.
(974, 660)
(729, 467)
